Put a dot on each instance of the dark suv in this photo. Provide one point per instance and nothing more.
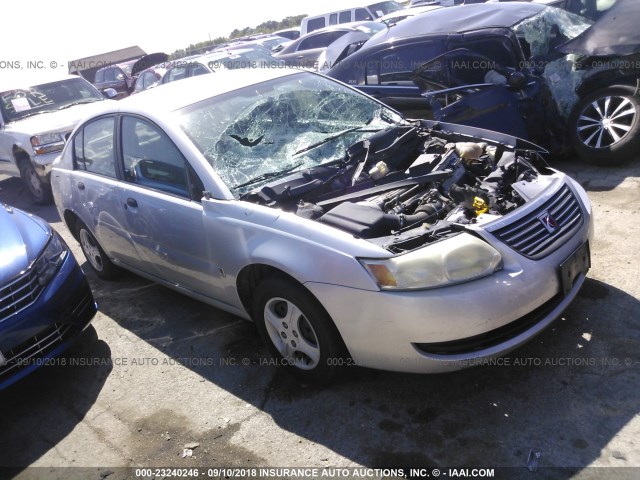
(117, 77)
(525, 69)
(122, 76)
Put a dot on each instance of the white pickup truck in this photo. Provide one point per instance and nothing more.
(35, 122)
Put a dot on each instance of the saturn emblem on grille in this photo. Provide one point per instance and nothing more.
(549, 222)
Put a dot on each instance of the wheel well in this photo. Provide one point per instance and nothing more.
(70, 220)
(605, 80)
(249, 278)
(251, 275)
(20, 155)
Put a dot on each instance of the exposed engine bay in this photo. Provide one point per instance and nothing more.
(410, 185)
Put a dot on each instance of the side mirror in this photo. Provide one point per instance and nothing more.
(517, 81)
(109, 92)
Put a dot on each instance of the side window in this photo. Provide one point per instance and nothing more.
(93, 148)
(78, 151)
(396, 65)
(198, 69)
(150, 79)
(176, 73)
(151, 159)
(139, 85)
(109, 75)
(118, 73)
(345, 17)
(99, 76)
(495, 50)
(333, 19)
(362, 15)
(314, 41)
(315, 24)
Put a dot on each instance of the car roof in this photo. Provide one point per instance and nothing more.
(459, 19)
(175, 95)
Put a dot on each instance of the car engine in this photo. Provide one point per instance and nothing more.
(409, 186)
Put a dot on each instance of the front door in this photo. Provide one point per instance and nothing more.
(160, 198)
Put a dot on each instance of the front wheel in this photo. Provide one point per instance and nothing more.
(39, 190)
(297, 330)
(604, 126)
(97, 258)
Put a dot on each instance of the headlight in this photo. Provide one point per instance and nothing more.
(47, 143)
(50, 260)
(456, 260)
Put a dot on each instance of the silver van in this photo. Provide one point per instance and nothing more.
(358, 13)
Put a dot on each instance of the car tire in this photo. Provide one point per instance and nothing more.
(297, 330)
(604, 126)
(95, 255)
(39, 191)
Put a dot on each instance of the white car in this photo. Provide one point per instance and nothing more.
(350, 235)
(35, 121)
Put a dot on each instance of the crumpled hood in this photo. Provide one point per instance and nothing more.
(23, 238)
(57, 121)
(615, 33)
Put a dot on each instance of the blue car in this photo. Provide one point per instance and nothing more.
(45, 299)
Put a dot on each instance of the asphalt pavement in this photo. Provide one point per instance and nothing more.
(163, 381)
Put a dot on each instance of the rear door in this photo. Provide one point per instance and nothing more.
(465, 87)
(95, 188)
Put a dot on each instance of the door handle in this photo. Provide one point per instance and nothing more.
(131, 202)
(80, 186)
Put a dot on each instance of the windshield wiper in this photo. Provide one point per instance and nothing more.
(268, 175)
(32, 114)
(79, 102)
(329, 138)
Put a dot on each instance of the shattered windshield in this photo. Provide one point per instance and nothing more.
(549, 29)
(283, 125)
(21, 103)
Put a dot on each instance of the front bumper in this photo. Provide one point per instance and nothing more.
(446, 329)
(43, 164)
(44, 329)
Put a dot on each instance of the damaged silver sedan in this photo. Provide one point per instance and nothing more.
(350, 235)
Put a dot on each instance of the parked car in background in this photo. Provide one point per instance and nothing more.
(35, 121)
(117, 77)
(525, 69)
(350, 235)
(290, 33)
(363, 12)
(271, 43)
(592, 9)
(399, 15)
(45, 300)
(305, 51)
(151, 77)
(122, 76)
(442, 3)
(239, 58)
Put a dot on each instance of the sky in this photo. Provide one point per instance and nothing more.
(41, 36)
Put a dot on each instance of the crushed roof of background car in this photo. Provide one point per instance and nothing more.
(462, 18)
(615, 33)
